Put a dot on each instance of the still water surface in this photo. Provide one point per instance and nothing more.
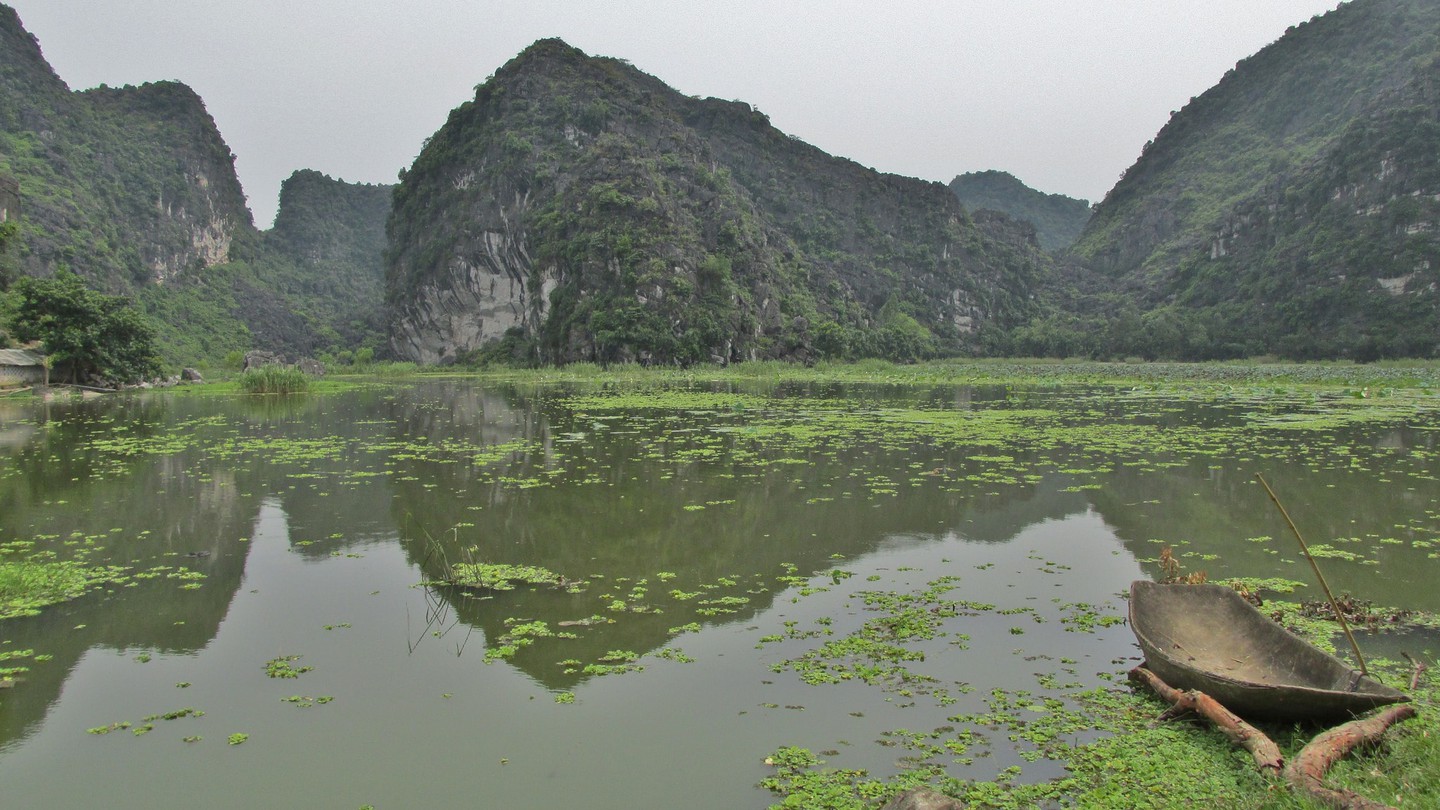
(720, 533)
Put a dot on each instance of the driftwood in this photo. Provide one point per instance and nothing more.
(1307, 771)
(1263, 749)
(1420, 668)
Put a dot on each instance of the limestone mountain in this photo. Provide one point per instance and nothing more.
(1058, 219)
(135, 190)
(325, 259)
(124, 186)
(579, 209)
(1290, 209)
(312, 284)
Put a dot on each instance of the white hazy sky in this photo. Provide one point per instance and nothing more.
(1060, 93)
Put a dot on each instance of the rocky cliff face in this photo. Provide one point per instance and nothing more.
(579, 209)
(125, 186)
(134, 189)
(174, 161)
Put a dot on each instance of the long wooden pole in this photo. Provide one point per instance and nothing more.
(1340, 617)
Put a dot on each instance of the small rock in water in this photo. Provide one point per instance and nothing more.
(921, 799)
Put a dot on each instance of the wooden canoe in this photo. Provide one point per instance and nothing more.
(1208, 637)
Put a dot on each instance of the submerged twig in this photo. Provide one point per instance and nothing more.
(460, 648)
(437, 611)
(1420, 668)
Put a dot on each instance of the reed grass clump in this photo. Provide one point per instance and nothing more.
(274, 380)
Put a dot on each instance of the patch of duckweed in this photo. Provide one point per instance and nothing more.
(501, 576)
(283, 667)
(8, 673)
(517, 635)
(29, 585)
(305, 701)
(1113, 752)
(878, 652)
(147, 724)
(615, 662)
(1084, 618)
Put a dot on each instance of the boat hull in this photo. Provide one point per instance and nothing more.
(1208, 637)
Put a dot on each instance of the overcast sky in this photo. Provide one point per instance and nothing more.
(1060, 93)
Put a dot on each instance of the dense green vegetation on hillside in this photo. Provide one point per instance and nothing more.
(313, 285)
(123, 186)
(134, 190)
(7, 237)
(1290, 210)
(640, 224)
(324, 260)
(1058, 219)
(580, 209)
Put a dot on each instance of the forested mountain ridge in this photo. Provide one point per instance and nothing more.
(311, 285)
(325, 257)
(579, 209)
(125, 186)
(1291, 208)
(135, 190)
(1058, 219)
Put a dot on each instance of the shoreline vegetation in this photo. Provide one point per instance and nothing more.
(1378, 376)
(1364, 378)
(1112, 750)
(1395, 374)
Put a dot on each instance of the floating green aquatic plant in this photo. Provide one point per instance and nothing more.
(501, 576)
(282, 668)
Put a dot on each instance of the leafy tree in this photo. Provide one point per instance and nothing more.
(88, 331)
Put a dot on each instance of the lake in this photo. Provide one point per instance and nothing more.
(866, 571)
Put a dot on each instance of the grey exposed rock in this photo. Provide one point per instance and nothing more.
(921, 799)
(311, 366)
(256, 359)
(190, 375)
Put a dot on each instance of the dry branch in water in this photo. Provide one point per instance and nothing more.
(1264, 750)
(1420, 668)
